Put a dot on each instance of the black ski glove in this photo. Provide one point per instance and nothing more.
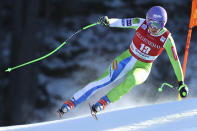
(104, 20)
(183, 89)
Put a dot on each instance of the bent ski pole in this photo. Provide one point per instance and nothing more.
(165, 85)
(47, 55)
(168, 85)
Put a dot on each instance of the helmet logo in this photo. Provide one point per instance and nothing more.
(157, 16)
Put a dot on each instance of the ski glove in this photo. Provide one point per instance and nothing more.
(183, 89)
(104, 20)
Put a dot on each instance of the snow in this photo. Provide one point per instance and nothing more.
(177, 115)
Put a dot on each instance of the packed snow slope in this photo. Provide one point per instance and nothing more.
(173, 116)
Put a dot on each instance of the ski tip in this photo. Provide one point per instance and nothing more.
(59, 114)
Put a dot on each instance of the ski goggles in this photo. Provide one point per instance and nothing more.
(155, 24)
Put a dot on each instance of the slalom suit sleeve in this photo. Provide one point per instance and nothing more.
(172, 54)
(133, 23)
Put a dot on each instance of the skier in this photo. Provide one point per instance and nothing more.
(150, 39)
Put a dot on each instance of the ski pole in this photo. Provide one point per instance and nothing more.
(165, 85)
(47, 55)
(168, 85)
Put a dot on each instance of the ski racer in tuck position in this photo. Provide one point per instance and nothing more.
(150, 39)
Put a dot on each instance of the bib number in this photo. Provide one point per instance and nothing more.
(145, 49)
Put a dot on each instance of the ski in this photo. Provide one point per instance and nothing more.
(93, 113)
(59, 113)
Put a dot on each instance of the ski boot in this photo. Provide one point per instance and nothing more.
(99, 106)
(66, 107)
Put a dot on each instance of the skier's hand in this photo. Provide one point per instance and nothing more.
(183, 89)
(104, 20)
